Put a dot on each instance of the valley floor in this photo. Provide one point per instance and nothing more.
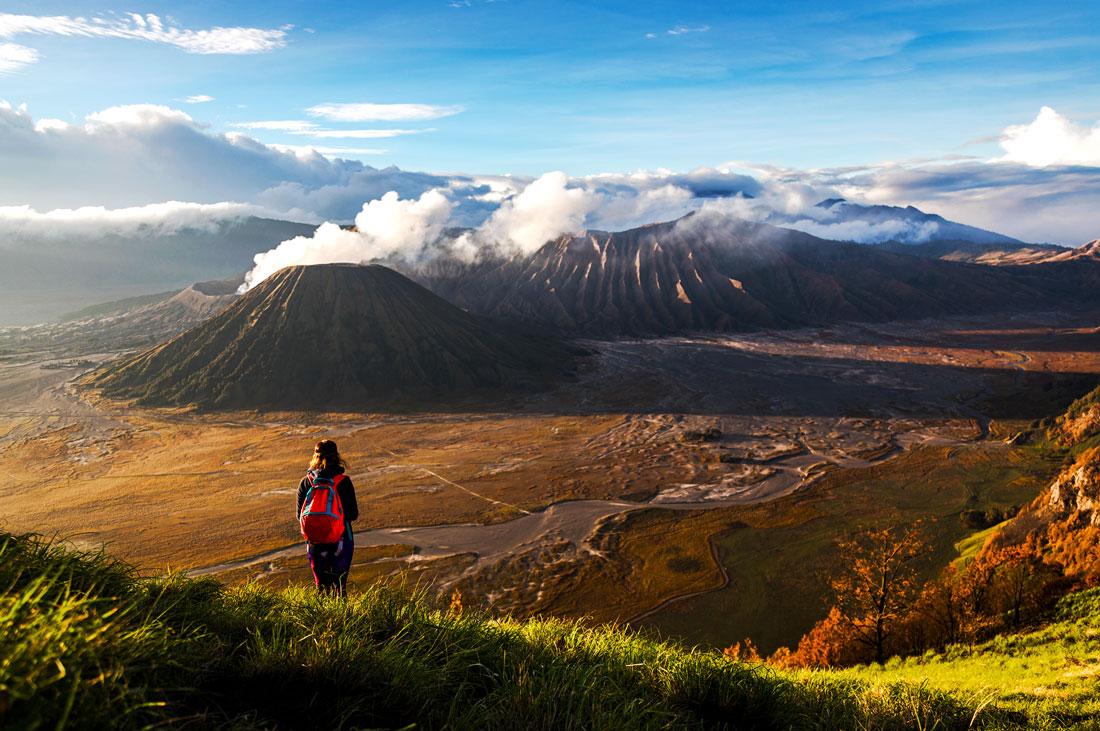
(688, 485)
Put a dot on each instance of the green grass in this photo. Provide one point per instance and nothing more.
(84, 643)
(787, 547)
(969, 546)
(1050, 676)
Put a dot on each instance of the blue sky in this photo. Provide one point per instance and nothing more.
(532, 118)
(587, 88)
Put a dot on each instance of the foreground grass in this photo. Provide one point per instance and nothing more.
(86, 644)
(1051, 676)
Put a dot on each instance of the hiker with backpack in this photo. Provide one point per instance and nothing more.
(326, 508)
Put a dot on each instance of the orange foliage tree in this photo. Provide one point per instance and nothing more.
(828, 644)
(879, 584)
(743, 651)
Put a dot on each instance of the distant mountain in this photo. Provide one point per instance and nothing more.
(44, 277)
(697, 274)
(162, 319)
(968, 251)
(1089, 252)
(135, 322)
(908, 225)
(115, 307)
(335, 336)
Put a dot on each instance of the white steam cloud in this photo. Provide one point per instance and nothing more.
(544, 209)
(386, 227)
(412, 229)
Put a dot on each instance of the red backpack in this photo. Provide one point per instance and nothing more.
(322, 516)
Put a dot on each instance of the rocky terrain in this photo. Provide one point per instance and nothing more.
(1064, 521)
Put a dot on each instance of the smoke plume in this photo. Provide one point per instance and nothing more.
(386, 227)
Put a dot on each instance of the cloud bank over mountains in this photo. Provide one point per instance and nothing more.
(91, 222)
(124, 167)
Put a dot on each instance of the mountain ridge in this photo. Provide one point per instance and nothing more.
(695, 274)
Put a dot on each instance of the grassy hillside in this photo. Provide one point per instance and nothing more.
(86, 644)
(787, 547)
(1048, 676)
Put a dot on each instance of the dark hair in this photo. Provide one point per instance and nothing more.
(326, 456)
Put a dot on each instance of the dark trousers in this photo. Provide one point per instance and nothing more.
(330, 563)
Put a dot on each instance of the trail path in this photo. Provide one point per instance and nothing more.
(465, 489)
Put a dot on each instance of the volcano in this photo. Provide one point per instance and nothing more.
(700, 275)
(334, 336)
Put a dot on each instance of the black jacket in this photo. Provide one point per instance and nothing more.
(345, 490)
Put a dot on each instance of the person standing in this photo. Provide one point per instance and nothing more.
(326, 509)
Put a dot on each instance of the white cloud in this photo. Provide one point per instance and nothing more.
(868, 231)
(294, 126)
(138, 115)
(1051, 139)
(386, 227)
(94, 222)
(47, 125)
(312, 129)
(367, 112)
(149, 27)
(199, 99)
(14, 57)
(306, 151)
(680, 30)
(627, 209)
(134, 155)
(364, 134)
(123, 157)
